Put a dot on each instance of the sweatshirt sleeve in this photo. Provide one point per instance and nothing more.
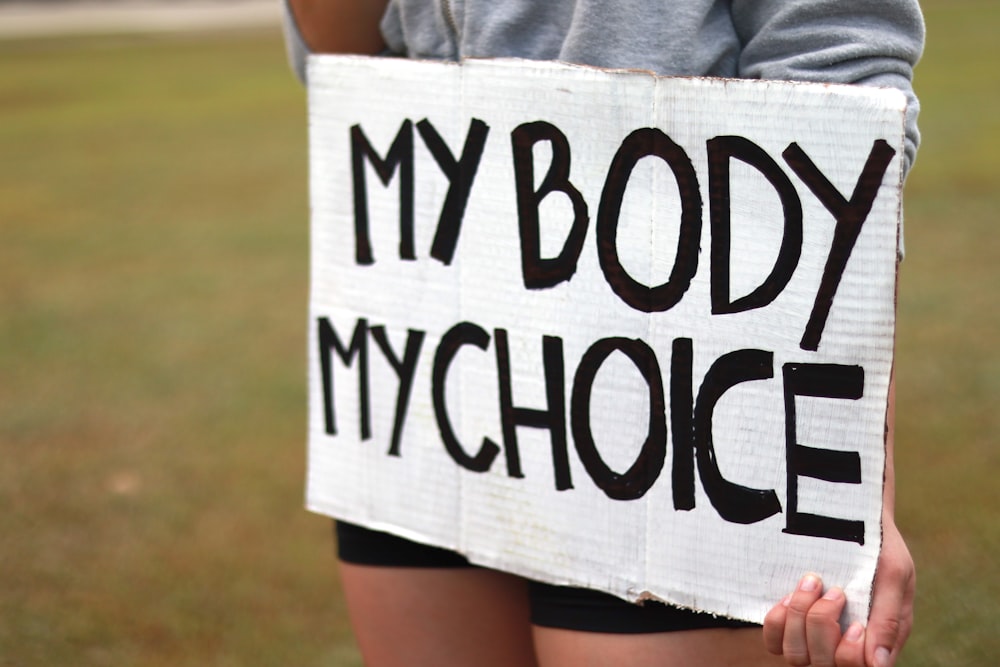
(839, 41)
(295, 46)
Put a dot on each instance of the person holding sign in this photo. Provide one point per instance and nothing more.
(417, 605)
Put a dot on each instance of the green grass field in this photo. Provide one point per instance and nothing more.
(153, 276)
(153, 254)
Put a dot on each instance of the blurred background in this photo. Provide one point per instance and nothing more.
(153, 285)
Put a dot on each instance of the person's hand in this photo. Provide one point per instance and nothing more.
(891, 617)
(805, 628)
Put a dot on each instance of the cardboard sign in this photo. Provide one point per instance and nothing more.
(605, 329)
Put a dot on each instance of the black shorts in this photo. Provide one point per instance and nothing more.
(551, 606)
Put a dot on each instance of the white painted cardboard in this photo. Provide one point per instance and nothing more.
(642, 547)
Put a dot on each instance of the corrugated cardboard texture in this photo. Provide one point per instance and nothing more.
(703, 431)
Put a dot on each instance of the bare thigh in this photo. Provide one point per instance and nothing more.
(718, 647)
(430, 617)
(456, 617)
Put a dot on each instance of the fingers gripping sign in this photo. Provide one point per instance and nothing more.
(805, 629)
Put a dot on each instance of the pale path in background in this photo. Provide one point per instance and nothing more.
(30, 19)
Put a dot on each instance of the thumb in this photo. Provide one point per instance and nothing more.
(891, 616)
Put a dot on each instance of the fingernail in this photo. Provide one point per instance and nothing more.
(881, 657)
(834, 593)
(809, 583)
(787, 601)
(854, 632)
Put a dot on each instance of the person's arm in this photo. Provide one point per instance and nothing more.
(805, 628)
(873, 44)
(339, 26)
(834, 41)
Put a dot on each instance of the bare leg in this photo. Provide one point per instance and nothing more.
(718, 647)
(438, 617)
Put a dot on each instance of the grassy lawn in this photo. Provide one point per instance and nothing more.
(153, 254)
(948, 365)
(153, 277)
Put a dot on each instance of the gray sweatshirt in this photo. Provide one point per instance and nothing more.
(869, 42)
